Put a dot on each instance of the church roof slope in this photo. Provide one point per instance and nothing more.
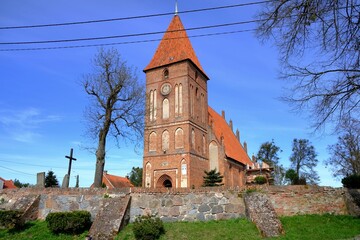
(233, 148)
(175, 46)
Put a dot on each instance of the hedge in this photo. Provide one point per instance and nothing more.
(74, 222)
(11, 219)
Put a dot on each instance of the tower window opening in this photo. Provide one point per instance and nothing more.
(166, 74)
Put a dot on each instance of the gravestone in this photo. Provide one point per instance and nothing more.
(77, 181)
(65, 182)
(40, 179)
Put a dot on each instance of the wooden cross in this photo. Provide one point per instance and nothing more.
(70, 160)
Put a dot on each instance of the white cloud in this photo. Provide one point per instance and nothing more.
(23, 125)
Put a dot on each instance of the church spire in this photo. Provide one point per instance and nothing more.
(175, 46)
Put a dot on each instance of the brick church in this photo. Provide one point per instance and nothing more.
(183, 135)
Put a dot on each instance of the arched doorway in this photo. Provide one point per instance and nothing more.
(164, 181)
(167, 183)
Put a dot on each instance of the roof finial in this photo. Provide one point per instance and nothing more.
(176, 8)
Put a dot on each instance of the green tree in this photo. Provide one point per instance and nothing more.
(318, 41)
(345, 154)
(268, 153)
(212, 178)
(303, 160)
(117, 104)
(50, 180)
(135, 176)
(293, 178)
(18, 184)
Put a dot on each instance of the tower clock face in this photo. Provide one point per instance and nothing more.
(165, 89)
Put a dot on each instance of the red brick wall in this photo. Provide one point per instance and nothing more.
(292, 200)
(169, 162)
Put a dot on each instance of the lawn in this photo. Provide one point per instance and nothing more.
(226, 229)
(296, 227)
(320, 227)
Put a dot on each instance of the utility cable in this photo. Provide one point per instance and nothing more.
(133, 17)
(121, 43)
(129, 35)
(17, 171)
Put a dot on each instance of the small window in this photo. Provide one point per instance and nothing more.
(166, 73)
(196, 75)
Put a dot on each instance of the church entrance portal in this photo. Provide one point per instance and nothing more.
(164, 181)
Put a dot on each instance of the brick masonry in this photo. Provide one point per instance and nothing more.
(186, 204)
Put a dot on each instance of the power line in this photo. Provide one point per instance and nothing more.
(73, 170)
(17, 171)
(121, 43)
(132, 17)
(129, 35)
(34, 165)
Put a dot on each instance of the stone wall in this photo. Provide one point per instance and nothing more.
(60, 199)
(186, 204)
(193, 206)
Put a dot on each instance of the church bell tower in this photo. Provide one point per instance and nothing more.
(175, 136)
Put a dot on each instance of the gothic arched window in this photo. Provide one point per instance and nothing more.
(193, 138)
(165, 140)
(152, 141)
(165, 108)
(214, 155)
(179, 138)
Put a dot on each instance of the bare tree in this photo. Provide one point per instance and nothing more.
(117, 104)
(319, 44)
(303, 160)
(345, 154)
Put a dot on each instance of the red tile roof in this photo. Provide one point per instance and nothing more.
(175, 46)
(8, 183)
(233, 148)
(112, 181)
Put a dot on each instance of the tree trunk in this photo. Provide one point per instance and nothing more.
(100, 160)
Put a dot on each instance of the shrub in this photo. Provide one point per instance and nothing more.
(260, 180)
(11, 219)
(74, 222)
(352, 181)
(148, 228)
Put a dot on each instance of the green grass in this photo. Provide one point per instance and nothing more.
(36, 230)
(320, 227)
(211, 230)
(297, 227)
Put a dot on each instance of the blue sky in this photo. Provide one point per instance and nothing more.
(42, 101)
